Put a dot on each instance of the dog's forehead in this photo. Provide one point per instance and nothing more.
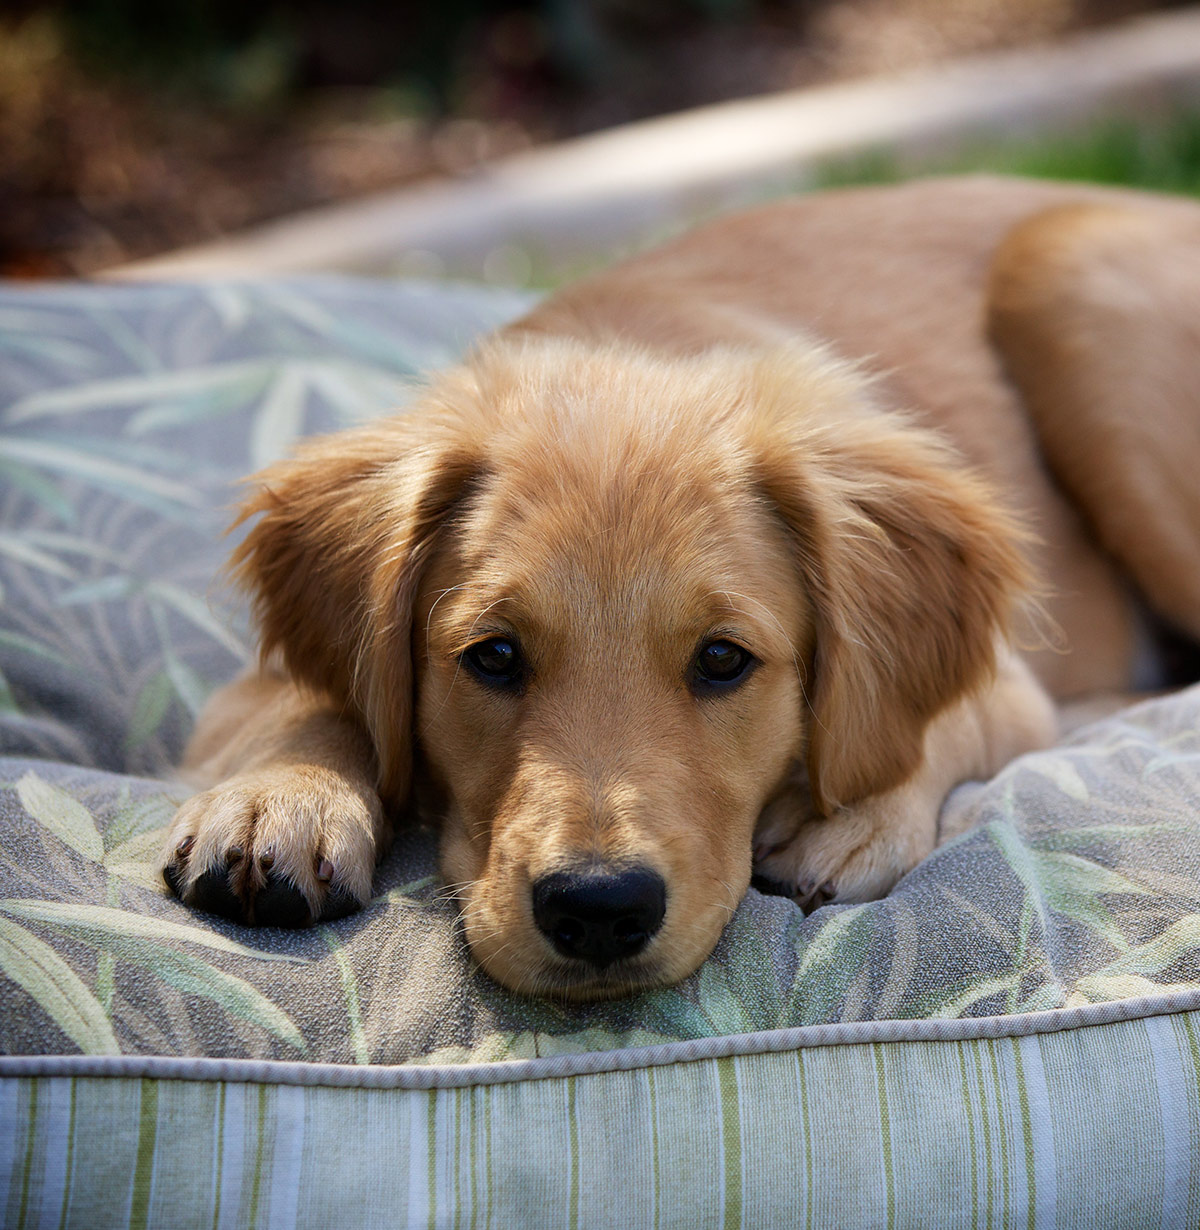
(651, 543)
(619, 501)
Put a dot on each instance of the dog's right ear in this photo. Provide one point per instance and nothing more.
(913, 569)
(333, 563)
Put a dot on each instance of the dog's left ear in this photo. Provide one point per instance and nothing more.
(334, 559)
(912, 569)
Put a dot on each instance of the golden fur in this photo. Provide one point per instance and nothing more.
(848, 435)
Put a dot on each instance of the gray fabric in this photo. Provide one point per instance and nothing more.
(128, 412)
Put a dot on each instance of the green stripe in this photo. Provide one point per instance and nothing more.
(473, 1137)
(1193, 1046)
(1027, 1128)
(69, 1177)
(143, 1174)
(459, 1094)
(487, 1150)
(431, 1156)
(731, 1133)
(573, 1129)
(654, 1159)
(216, 1221)
(1193, 1110)
(988, 1190)
(454, 1150)
(809, 1163)
(27, 1175)
(1001, 1130)
(973, 1145)
(260, 1149)
(885, 1131)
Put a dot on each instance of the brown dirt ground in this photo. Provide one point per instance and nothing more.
(95, 172)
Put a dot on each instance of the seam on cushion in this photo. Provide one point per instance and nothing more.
(450, 1076)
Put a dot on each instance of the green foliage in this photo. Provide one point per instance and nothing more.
(230, 53)
(1160, 152)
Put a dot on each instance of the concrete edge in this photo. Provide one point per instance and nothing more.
(624, 183)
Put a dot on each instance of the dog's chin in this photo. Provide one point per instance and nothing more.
(579, 982)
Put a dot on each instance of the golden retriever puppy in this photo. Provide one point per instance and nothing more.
(718, 561)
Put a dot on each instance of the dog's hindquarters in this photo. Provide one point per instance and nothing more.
(1096, 312)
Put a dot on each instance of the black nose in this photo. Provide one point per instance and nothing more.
(600, 915)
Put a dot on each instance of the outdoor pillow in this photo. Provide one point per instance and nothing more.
(996, 1040)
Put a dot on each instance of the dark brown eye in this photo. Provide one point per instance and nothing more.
(496, 661)
(722, 664)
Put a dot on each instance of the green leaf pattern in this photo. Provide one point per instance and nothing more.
(126, 416)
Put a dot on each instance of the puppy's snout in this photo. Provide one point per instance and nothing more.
(600, 915)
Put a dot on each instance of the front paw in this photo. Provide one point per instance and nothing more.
(276, 848)
(857, 854)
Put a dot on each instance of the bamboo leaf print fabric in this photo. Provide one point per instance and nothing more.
(127, 415)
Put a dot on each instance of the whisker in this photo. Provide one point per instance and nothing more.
(453, 892)
(729, 595)
(731, 910)
(458, 666)
(797, 665)
(454, 589)
(486, 609)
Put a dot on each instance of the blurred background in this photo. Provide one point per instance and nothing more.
(134, 127)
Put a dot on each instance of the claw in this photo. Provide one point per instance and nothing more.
(803, 890)
(811, 896)
(764, 849)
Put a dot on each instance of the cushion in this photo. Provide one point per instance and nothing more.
(998, 1036)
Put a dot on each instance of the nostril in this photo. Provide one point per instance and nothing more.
(600, 915)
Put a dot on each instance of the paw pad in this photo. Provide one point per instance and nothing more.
(248, 891)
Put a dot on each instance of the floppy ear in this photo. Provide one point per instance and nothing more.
(333, 563)
(912, 569)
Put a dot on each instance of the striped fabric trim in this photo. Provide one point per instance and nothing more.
(450, 1076)
(1092, 1127)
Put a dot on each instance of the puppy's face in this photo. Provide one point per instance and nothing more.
(610, 645)
(604, 602)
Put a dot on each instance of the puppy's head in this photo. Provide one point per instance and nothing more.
(605, 601)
